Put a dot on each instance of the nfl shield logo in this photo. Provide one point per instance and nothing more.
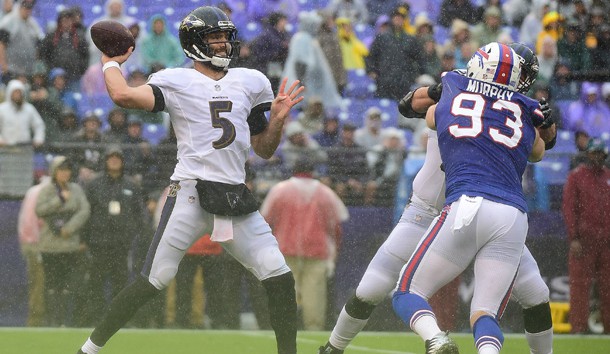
(217, 87)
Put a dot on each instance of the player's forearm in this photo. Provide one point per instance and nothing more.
(421, 101)
(265, 144)
(123, 95)
(548, 135)
(538, 150)
(116, 85)
(416, 103)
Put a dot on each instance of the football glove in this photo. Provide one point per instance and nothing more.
(547, 113)
(405, 108)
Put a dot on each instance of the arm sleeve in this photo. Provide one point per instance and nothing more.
(159, 99)
(257, 121)
(48, 201)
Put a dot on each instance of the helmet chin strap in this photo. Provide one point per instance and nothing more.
(220, 61)
(216, 62)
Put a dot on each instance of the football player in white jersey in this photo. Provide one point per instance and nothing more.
(428, 197)
(218, 114)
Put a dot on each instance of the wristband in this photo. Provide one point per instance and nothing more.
(550, 144)
(111, 64)
(435, 91)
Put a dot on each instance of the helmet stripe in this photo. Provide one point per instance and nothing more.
(505, 66)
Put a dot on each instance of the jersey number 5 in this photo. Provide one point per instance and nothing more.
(475, 113)
(228, 129)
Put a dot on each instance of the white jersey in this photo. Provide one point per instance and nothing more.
(210, 120)
(429, 183)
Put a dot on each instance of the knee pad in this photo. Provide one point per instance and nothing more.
(537, 318)
(359, 309)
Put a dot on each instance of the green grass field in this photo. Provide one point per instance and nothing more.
(131, 341)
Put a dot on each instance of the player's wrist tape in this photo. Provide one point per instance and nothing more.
(111, 64)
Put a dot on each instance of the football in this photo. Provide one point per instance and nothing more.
(112, 38)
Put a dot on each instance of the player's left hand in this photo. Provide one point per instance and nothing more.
(284, 101)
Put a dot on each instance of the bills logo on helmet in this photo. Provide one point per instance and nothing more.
(495, 63)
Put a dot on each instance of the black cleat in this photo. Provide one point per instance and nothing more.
(329, 349)
(80, 352)
(441, 344)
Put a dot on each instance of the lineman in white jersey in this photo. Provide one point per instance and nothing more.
(427, 200)
(217, 114)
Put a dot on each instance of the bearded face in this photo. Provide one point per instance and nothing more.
(17, 98)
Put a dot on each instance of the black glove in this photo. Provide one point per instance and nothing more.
(547, 113)
(405, 108)
(435, 91)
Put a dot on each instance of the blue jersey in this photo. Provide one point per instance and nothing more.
(485, 135)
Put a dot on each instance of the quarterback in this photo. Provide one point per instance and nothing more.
(218, 114)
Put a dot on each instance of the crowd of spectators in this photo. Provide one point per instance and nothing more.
(398, 44)
(55, 98)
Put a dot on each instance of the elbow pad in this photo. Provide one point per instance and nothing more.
(404, 107)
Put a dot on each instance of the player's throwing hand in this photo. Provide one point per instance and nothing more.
(119, 59)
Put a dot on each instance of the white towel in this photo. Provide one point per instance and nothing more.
(223, 229)
(466, 211)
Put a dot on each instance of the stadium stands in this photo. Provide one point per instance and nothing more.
(355, 109)
(359, 85)
(555, 168)
(154, 133)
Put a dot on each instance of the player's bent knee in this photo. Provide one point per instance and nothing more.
(537, 318)
(271, 263)
(375, 287)
(162, 277)
(532, 293)
(358, 308)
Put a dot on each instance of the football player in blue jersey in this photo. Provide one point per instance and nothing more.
(486, 135)
(530, 290)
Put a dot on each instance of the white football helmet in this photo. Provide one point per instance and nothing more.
(496, 63)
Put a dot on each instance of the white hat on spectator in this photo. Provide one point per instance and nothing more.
(391, 132)
(422, 19)
(373, 112)
(606, 89)
(458, 26)
(425, 80)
